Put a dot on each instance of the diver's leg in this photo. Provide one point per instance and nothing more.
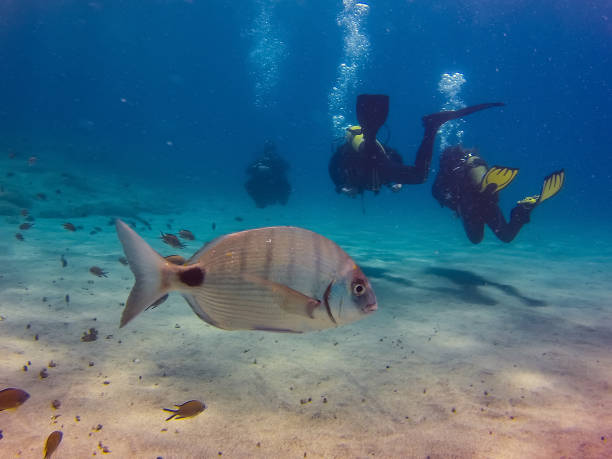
(474, 227)
(393, 171)
(471, 217)
(507, 231)
(431, 123)
(284, 191)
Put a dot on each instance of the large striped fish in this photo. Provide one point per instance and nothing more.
(281, 278)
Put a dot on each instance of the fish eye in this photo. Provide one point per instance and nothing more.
(359, 289)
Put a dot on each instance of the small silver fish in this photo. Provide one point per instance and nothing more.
(282, 279)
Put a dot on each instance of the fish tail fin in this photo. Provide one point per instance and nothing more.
(148, 267)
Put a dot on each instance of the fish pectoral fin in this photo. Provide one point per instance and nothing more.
(289, 300)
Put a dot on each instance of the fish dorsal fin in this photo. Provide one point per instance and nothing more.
(207, 246)
(289, 300)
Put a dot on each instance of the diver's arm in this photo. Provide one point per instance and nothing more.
(417, 174)
(338, 170)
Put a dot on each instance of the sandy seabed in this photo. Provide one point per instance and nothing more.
(494, 351)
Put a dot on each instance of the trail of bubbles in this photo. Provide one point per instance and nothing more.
(266, 55)
(450, 87)
(356, 49)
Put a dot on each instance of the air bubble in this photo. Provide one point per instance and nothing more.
(355, 53)
(450, 87)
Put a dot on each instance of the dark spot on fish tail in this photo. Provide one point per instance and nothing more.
(326, 301)
(193, 276)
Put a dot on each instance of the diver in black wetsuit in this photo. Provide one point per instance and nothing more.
(267, 181)
(363, 163)
(468, 186)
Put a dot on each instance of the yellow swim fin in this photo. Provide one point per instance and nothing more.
(551, 186)
(499, 176)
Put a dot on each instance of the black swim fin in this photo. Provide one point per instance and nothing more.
(372, 111)
(436, 120)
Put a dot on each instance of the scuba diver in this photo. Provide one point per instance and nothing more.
(267, 178)
(363, 163)
(468, 186)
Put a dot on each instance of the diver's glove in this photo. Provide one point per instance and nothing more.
(522, 212)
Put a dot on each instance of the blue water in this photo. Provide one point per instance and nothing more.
(153, 109)
(168, 88)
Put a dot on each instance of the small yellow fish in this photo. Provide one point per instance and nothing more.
(12, 398)
(176, 259)
(171, 240)
(53, 441)
(97, 271)
(186, 410)
(186, 234)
